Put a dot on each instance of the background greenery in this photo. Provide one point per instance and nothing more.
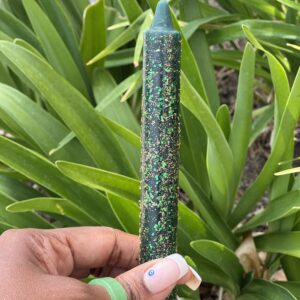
(70, 100)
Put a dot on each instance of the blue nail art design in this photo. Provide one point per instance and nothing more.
(151, 273)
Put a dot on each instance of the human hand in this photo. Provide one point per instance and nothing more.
(46, 265)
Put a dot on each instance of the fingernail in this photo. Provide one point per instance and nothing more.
(195, 281)
(165, 273)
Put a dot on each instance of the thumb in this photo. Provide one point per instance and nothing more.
(157, 279)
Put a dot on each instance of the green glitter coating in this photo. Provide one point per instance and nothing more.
(160, 144)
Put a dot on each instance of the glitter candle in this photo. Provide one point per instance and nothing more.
(160, 137)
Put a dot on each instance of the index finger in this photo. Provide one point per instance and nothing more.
(70, 250)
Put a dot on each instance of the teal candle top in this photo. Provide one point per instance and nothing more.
(160, 137)
(162, 19)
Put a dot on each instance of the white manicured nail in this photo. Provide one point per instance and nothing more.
(195, 282)
(165, 273)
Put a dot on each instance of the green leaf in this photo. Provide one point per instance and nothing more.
(290, 266)
(103, 180)
(291, 15)
(221, 189)
(75, 110)
(264, 29)
(189, 64)
(42, 171)
(222, 186)
(279, 208)
(16, 189)
(5, 77)
(193, 146)
(107, 95)
(118, 91)
(53, 46)
(199, 45)
(119, 58)
(236, 7)
(27, 46)
(52, 205)
(80, 6)
(127, 212)
(283, 242)
(140, 40)
(104, 103)
(261, 122)
(279, 78)
(229, 59)
(208, 10)
(24, 220)
(241, 124)
(191, 27)
(119, 113)
(128, 35)
(199, 48)
(10, 173)
(290, 3)
(235, 56)
(118, 26)
(119, 130)
(133, 89)
(14, 28)
(113, 18)
(221, 256)
(288, 171)
(224, 120)
(268, 10)
(152, 4)
(292, 286)
(193, 101)
(122, 189)
(36, 126)
(93, 39)
(204, 206)
(63, 24)
(132, 9)
(196, 63)
(127, 135)
(283, 138)
(263, 290)
(190, 227)
(211, 273)
(16, 7)
(282, 90)
(4, 226)
(75, 10)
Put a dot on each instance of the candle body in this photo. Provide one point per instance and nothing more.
(160, 144)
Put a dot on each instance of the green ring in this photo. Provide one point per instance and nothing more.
(113, 287)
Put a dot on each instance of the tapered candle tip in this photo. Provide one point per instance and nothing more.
(162, 19)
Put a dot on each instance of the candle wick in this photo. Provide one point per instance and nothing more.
(162, 18)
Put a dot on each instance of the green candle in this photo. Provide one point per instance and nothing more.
(160, 137)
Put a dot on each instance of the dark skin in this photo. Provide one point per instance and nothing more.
(47, 264)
